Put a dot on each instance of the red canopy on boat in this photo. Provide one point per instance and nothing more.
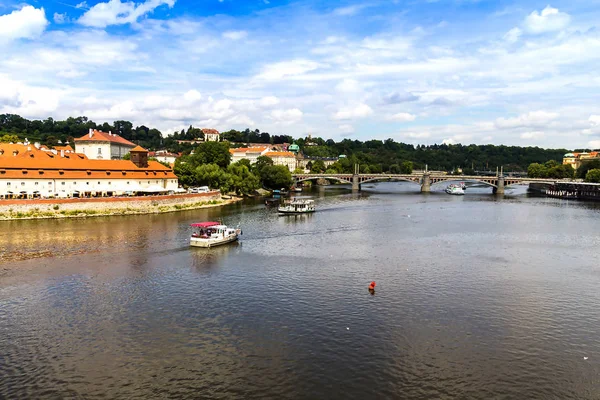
(204, 224)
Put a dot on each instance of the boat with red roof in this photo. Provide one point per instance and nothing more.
(211, 234)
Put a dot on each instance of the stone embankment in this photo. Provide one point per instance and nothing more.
(90, 207)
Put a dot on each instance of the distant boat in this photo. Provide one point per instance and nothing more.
(211, 234)
(297, 207)
(297, 189)
(455, 189)
(272, 201)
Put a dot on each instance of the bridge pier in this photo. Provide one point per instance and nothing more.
(426, 183)
(499, 189)
(355, 183)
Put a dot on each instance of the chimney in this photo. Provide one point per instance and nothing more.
(37, 145)
(110, 133)
(91, 132)
(62, 154)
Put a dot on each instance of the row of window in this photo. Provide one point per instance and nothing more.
(87, 183)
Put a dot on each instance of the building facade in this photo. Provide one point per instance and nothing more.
(47, 175)
(576, 159)
(98, 145)
(164, 156)
(211, 135)
(285, 158)
(248, 153)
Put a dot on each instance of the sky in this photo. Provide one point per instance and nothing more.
(419, 71)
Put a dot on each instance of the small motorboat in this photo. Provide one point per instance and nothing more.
(297, 207)
(211, 234)
(272, 201)
(297, 189)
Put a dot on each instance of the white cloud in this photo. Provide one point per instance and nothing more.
(192, 96)
(358, 111)
(83, 4)
(401, 117)
(349, 10)
(417, 135)
(60, 18)
(348, 86)
(28, 22)
(268, 101)
(548, 20)
(114, 12)
(286, 117)
(235, 35)
(532, 135)
(594, 144)
(284, 69)
(530, 119)
(346, 128)
(594, 120)
(513, 35)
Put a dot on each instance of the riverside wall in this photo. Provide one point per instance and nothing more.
(86, 207)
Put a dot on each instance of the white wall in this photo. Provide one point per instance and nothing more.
(102, 150)
(66, 187)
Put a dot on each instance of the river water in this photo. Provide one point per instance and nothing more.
(477, 297)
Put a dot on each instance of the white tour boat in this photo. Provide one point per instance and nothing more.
(211, 234)
(297, 207)
(455, 189)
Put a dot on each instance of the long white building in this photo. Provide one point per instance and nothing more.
(28, 172)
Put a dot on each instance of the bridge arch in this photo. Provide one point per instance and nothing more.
(396, 179)
(329, 178)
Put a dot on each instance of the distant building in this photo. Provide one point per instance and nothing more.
(248, 153)
(164, 156)
(98, 145)
(576, 159)
(294, 148)
(286, 158)
(35, 173)
(211, 135)
(303, 161)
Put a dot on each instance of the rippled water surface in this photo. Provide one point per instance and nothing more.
(477, 297)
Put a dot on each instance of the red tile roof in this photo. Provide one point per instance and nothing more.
(139, 149)
(280, 154)
(209, 131)
(99, 136)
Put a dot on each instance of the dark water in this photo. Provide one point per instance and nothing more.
(477, 297)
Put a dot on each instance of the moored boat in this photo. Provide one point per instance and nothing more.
(210, 234)
(297, 207)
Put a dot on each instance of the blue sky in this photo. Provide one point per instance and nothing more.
(453, 71)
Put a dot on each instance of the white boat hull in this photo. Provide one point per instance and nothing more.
(212, 242)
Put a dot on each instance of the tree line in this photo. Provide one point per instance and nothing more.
(373, 155)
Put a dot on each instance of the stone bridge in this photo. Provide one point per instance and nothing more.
(425, 180)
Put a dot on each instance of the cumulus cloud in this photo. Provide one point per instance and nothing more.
(358, 111)
(532, 135)
(114, 12)
(235, 35)
(513, 35)
(83, 4)
(530, 119)
(60, 18)
(268, 101)
(27, 23)
(548, 20)
(286, 117)
(192, 96)
(402, 117)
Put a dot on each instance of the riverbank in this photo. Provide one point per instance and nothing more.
(97, 207)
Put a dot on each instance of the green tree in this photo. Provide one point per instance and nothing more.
(593, 175)
(298, 171)
(185, 172)
(406, 167)
(585, 167)
(9, 138)
(394, 169)
(127, 156)
(210, 175)
(260, 164)
(536, 170)
(317, 167)
(212, 153)
(240, 180)
(276, 177)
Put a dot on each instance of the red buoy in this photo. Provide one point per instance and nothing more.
(372, 286)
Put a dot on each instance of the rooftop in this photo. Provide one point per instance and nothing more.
(99, 136)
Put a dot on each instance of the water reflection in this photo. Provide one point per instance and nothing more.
(469, 289)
